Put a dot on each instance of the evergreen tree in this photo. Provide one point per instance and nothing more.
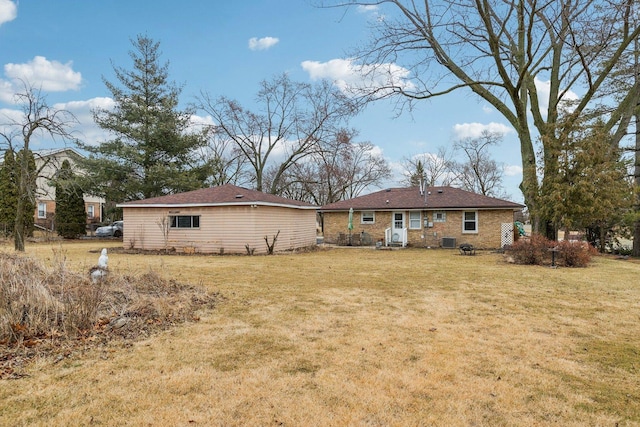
(589, 190)
(8, 193)
(28, 196)
(71, 218)
(151, 153)
(418, 176)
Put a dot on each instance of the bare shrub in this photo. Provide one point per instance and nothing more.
(536, 251)
(38, 303)
(575, 254)
(271, 246)
(532, 251)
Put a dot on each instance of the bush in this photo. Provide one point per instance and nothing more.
(536, 251)
(575, 254)
(36, 302)
(532, 251)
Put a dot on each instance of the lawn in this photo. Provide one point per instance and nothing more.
(357, 337)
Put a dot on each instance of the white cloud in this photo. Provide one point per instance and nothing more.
(201, 121)
(8, 11)
(513, 170)
(474, 130)
(86, 130)
(367, 8)
(543, 88)
(52, 76)
(262, 43)
(372, 11)
(11, 115)
(350, 77)
(6, 92)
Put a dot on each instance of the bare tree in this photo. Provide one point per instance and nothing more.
(478, 172)
(525, 58)
(436, 168)
(292, 120)
(37, 120)
(227, 162)
(339, 169)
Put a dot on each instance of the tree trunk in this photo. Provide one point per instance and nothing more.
(636, 170)
(18, 232)
(636, 174)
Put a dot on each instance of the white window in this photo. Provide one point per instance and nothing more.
(185, 221)
(367, 217)
(470, 222)
(90, 211)
(42, 210)
(415, 220)
(439, 217)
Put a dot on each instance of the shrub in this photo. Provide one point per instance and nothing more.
(532, 251)
(36, 302)
(535, 251)
(575, 254)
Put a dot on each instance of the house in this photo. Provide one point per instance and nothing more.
(223, 219)
(433, 217)
(48, 163)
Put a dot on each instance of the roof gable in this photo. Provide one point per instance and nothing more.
(412, 198)
(223, 195)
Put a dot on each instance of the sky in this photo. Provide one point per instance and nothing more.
(224, 48)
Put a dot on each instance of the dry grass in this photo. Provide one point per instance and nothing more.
(359, 337)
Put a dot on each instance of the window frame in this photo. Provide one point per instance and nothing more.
(443, 219)
(466, 221)
(366, 213)
(179, 222)
(91, 211)
(43, 210)
(412, 220)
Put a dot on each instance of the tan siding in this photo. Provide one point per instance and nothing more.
(222, 229)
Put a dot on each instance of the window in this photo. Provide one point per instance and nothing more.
(470, 222)
(368, 217)
(185, 221)
(42, 210)
(90, 211)
(439, 217)
(414, 220)
(398, 220)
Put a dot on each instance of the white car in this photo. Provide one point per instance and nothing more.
(113, 230)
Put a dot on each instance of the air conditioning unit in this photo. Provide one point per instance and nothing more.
(449, 242)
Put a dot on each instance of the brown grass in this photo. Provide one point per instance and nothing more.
(358, 337)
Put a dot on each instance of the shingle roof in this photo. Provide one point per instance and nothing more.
(223, 195)
(411, 198)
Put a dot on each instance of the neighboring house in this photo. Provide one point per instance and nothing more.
(435, 217)
(48, 163)
(224, 219)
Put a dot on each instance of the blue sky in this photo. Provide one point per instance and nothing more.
(66, 47)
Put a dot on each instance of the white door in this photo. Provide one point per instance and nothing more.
(397, 225)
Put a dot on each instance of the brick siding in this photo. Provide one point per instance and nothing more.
(487, 237)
